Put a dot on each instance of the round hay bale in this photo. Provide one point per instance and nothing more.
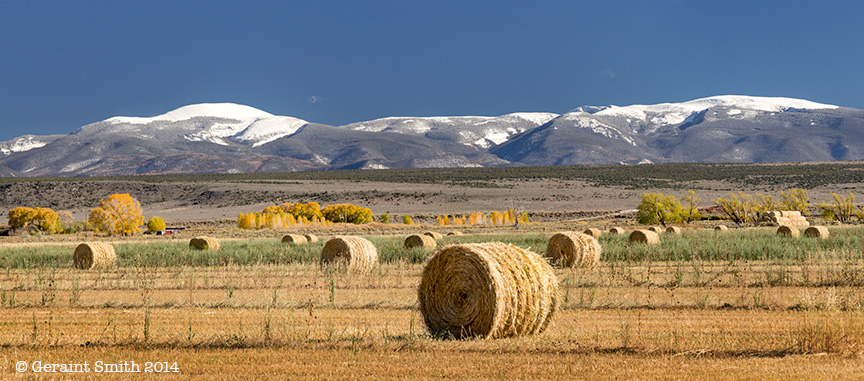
(455, 233)
(817, 232)
(616, 231)
(788, 231)
(490, 290)
(205, 243)
(656, 229)
(572, 249)
(432, 234)
(646, 237)
(94, 255)
(311, 238)
(721, 228)
(419, 240)
(351, 253)
(594, 232)
(673, 230)
(295, 239)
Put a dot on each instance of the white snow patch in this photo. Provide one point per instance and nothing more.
(266, 130)
(538, 118)
(734, 111)
(21, 144)
(214, 110)
(78, 165)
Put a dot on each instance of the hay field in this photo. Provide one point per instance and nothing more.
(737, 304)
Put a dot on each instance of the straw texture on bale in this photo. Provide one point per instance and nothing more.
(646, 237)
(419, 240)
(205, 243)
(295, 239)
(435, 235)
(673, 230)
(454, 233)
(490, 290)
(656, 229)
(788, 231)
(94, 255)
(311, 238)
(572, 249)
(721, 228)
(351, 253)
(594, 232)
(616, 231)
(817, 232)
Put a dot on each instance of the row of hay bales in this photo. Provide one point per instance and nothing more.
(811, 232)
(785, 218)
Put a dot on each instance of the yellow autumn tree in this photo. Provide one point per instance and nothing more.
(118, 214)
(44, 219)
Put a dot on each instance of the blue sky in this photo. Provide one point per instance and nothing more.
(64, 64)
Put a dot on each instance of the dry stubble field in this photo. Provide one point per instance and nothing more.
(644, 313)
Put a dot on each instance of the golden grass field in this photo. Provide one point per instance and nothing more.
(638, 319)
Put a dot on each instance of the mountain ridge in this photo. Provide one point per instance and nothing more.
(230, 138)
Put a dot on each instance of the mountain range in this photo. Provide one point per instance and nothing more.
(233, 138)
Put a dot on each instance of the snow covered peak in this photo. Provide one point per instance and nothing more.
(673, 113)
(770, 104)
(234, 111)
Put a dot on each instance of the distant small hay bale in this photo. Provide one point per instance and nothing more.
(432, 234)
(572, 249)
(205, 243)
(616, 231)
(295, 239)
(455, 232)
(94, 255)
(721, 228)
(673, 230)
(788, 231)
(594, 232)
(656, 229)
(419, 240)
(646, 237)
(817, 232)
(350, 253)
(491, 290)
(311, 238)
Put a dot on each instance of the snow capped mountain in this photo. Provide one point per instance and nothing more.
(25, 143)
(477, 131)
(230, 138)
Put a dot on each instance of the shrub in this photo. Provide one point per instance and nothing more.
(657, 208)
(44, 219)
(385, 218)
(155, 224)
(347, 213)
(406, 219)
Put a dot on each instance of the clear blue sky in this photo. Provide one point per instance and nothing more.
(64, 64)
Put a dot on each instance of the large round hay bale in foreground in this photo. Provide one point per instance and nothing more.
(350, 253)
(432, 234)
(817, 232)
(788, 231)
(673, 230)
(419, 240)
(489, 290)
(572, 249)
(311, 238)
(94, 255)
(645, 237)
(616, 231)
(721, 228)
(205, 243)
(594, 232)
(295, 239)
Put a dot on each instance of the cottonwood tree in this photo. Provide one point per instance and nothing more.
(118, 214)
